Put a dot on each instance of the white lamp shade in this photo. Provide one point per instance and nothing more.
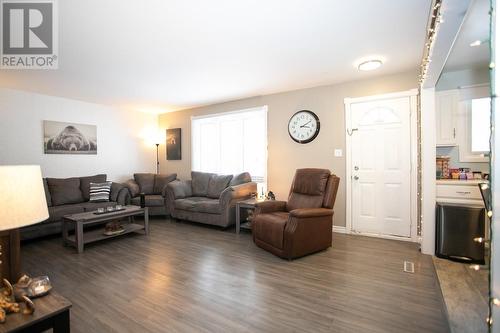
(22, 196)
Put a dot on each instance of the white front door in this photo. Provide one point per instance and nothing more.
(380, 168)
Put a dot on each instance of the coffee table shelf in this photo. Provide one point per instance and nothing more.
(98, 234)
(80, 220)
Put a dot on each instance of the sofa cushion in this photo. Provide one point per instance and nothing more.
(47, 192)
(199, 204)
(181, 189)
(200, 183)
(241, 178)
(151, 200)
(99, 192)
(217, 184)
(161, 181)
(85, 184)
(146, 182)
(65, 191)
(57, 212)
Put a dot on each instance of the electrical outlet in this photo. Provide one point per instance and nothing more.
(338, 152)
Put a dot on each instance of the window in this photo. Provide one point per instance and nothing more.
(230, 143)
(473, 126)
(480, 125)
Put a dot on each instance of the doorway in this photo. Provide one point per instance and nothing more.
(380, 172)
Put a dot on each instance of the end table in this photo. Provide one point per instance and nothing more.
(246, 204)
(51, 311)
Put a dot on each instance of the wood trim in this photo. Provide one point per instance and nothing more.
(339, 229)
(406, 93)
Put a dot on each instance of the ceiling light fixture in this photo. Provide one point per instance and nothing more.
(476, 43)
(370, 65)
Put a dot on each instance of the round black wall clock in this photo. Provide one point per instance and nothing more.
(303, 126)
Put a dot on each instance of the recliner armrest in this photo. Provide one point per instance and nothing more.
(311, 212)
(270, 206)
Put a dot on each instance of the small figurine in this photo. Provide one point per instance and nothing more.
(270, 196)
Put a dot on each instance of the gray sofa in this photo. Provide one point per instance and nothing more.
(209, 198)
(70, 196)
(153, 186)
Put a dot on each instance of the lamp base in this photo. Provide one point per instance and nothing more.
(10, 255)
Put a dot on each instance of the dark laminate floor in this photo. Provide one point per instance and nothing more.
(191, 278)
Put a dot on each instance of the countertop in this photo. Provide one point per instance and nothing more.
(470, 182)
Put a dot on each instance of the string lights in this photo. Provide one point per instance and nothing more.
(435, 21)
(433, 26)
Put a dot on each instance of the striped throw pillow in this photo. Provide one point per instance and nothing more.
(99, 192)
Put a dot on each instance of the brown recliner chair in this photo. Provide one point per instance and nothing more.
(303, 225)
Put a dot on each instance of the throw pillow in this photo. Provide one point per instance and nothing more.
(146, 182)
(65, 191)
(85, 184)
(200, 183)
(161, 181)
(99, 192)
(217, 184)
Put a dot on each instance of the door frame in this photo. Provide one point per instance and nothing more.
(412, 95)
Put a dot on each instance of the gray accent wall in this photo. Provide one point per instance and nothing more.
(285, 155)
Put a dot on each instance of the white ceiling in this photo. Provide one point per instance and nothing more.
(172, 54)
(476, 26)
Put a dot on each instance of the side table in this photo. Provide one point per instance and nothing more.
(51, 311)
(245, 204)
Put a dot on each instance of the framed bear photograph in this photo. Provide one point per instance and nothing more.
(174, 144)
(69, 138)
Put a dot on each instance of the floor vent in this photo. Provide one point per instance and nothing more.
(408, 267)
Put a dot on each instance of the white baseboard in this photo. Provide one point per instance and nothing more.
(339, 229)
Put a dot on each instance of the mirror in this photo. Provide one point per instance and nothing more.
(463, 119)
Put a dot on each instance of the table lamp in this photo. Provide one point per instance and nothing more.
(22, 203)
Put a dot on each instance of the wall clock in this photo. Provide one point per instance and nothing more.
(303, 126)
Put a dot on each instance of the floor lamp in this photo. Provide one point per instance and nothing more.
(22, 203)
(157, 159)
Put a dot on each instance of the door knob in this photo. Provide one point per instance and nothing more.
(356, 177)
(356, 168)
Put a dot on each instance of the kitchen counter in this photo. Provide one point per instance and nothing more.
(469, 182)
(459, 191)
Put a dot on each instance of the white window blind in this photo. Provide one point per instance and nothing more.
(230, 143)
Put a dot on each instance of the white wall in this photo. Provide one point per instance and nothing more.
(428, 180)
(121, 149)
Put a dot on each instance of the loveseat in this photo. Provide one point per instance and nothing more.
(70, 196)
(209, 198)
(153, 187)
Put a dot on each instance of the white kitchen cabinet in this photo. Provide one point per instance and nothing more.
(446, 117)
(459, 191)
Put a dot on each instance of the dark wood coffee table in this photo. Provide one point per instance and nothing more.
(51, 311)
(80, 220)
